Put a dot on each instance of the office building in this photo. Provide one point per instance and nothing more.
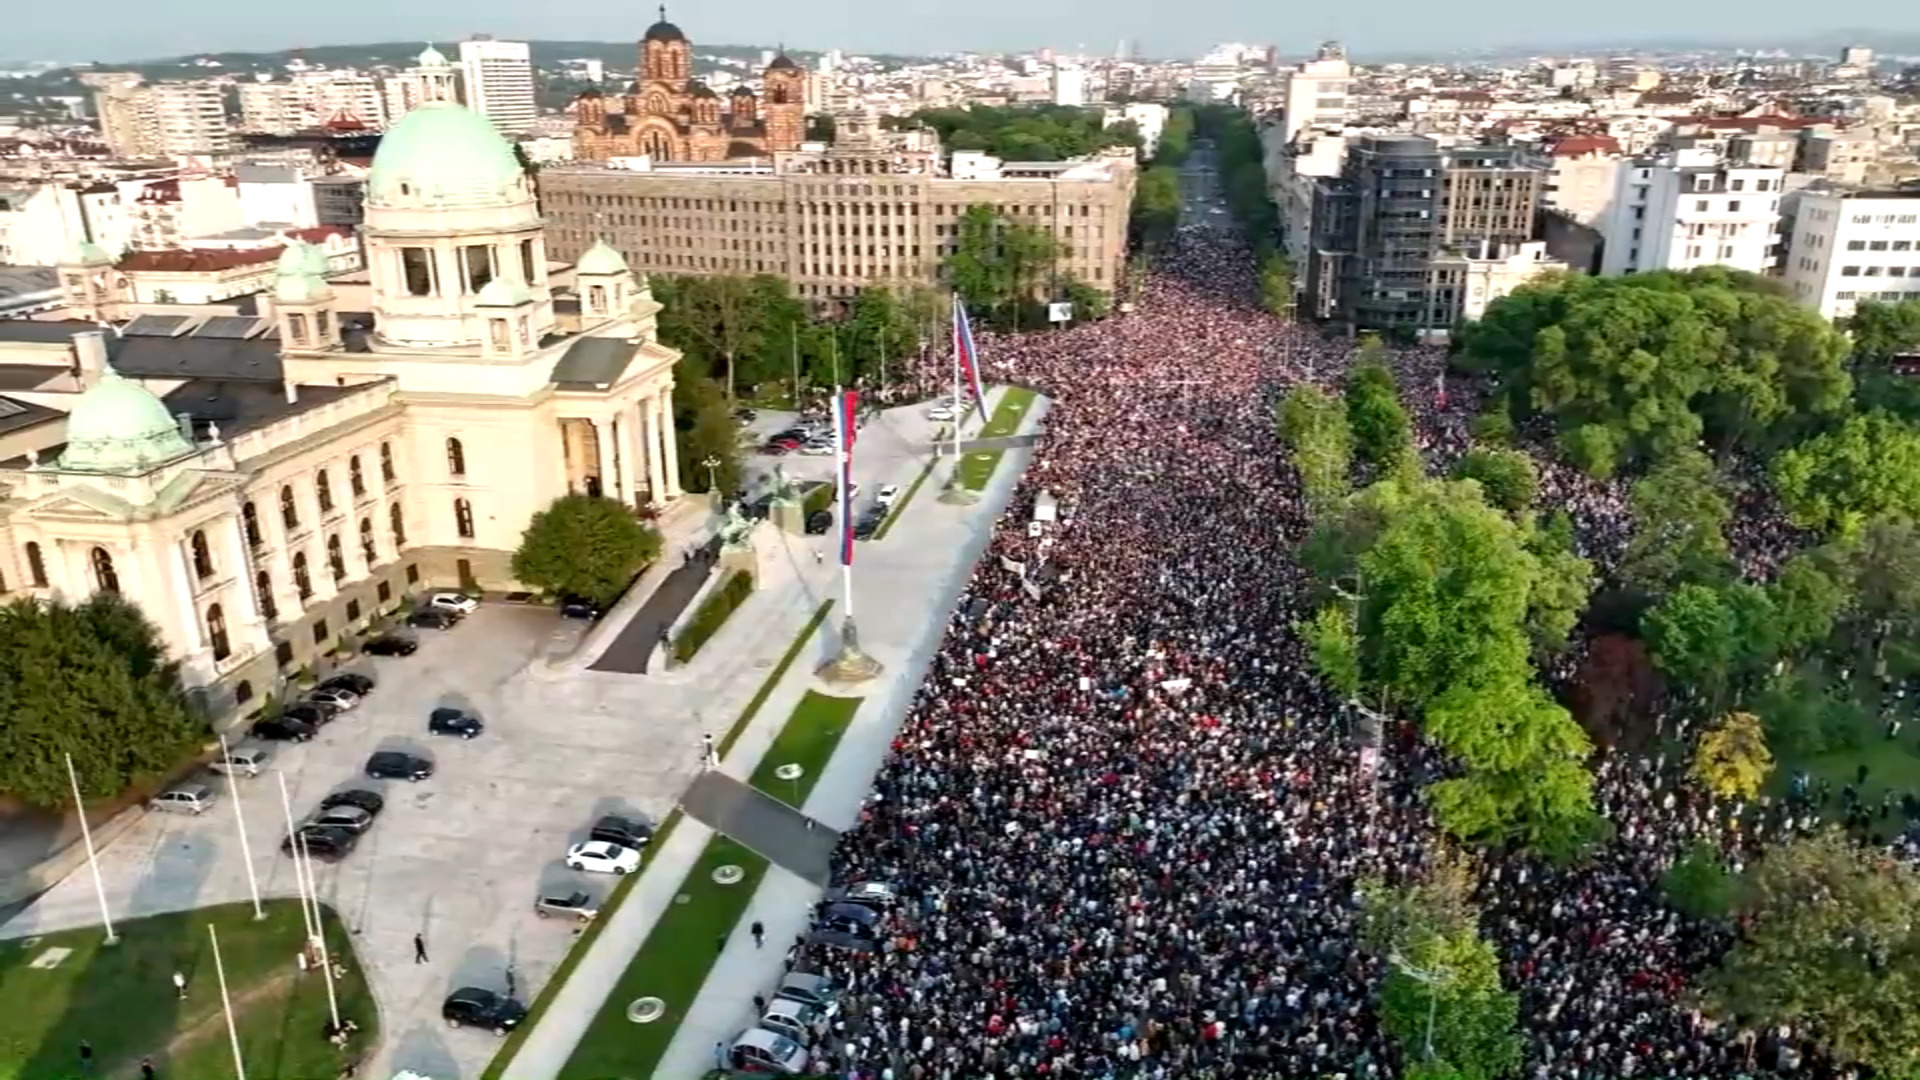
(431, 78)
(497, 77)
(1848, 246)
(1069, 86)
(1317, 92)
(1690, 208)
(1149, 118)
(873, 209)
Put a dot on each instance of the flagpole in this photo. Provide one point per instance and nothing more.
(956, 493)
(293, 842)
(849, 664)
(93, 857)
(226, 1005)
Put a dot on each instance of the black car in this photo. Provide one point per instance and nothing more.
(470, 1006)
(848, 919)
(450, 721)
(282, 729)
(398, 765)
(391, 645)
(433, 619)
(626, 832)
(867, 526)
(370, 801)
(352, 683)
(578, 607)
(327, 845)
(310, 713)
(819, 522)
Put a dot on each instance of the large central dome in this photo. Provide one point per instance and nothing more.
(444, 155)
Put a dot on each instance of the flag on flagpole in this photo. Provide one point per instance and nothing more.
(845, 408)
(968, 357)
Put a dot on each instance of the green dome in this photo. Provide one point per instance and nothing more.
(316, 259)
(601, 259)
(292, 261)
(502, 293)
(301, 289)
(432, 58)
(86, 253)
(120, 427)
(443, 155)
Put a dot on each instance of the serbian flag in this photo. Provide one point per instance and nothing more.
(967, 357)
(845, 409)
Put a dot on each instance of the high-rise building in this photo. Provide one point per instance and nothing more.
(182, 119)
(309, 100)
(1849, 246)
(497, 77)
(117, 103)
(1688, 209)
(431, 78)
(1069, 86)
(1317, 92)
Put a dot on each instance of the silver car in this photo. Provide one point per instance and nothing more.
(185, 799)
(336, 697)
(351, 818)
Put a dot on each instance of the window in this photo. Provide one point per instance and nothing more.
(323, 490)
(217, 632)
(397, 525)
(1877, 245)
(1850, 271)
(202, 558)
(1737, 185)
(416, 270)
(463, 518)
(104, 577)
(477, 261)
(297, 328)
(386, 463)
(1700, 205)
(336, 560)
(1733, 206)
(355, 478)
(1903, 245)
(36, 566)
(366, 540)
(289, 513)
(456, 458)
(302, 581)
(263, 591)
(250, 523)
(353, 611)
(243, 693)
(1874, 271)
(413, 574)
(527, 269)
(283, 653)
(1856, 245)
(384, 592)
(320, 632)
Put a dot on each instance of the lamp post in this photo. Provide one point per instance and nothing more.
(1432, 980)
(712, 464)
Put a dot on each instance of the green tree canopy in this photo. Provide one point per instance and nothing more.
(1314, 426)
(1025, 132)
(1382, 432)
(1276, 285)
(998, 266)
(1507, 476)
(1868, 466)
(1692, 634)
(584, 546)
(1680, 518)
(1156, 205)
(705, 428)
(92, 681)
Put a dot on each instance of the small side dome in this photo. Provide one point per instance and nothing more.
(292, 261)
(432, 58)
(86, 253)
(301, 289)
(742, 91)
(119, 426)
(783, 62)
(601, 260)
(701, 90)
(316, 260)
(589, 92)
(502, 293)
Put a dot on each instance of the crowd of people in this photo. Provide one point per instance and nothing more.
(1126, 820)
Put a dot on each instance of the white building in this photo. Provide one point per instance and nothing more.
(1149, 118)
(1582, 176)
(189, 119)
(1069, 86)
(38, 222)
(1479, 280)
(309, 100)
(430, 79)
(1318, 92)
(497, 77)
(1690, 209)
(1848, 247)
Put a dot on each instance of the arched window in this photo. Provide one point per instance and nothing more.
(104, 577)
(243, 693)
(463, 518)
(217, 632)
(366, 541)
(263, 591)
(289, 513)
(302, 581)
(355, 479)
(36, 566)
(250, 523)
(202, 557)
(398, 522)
(323, 490)
(386, 462)
(335, 560)
(456, 458)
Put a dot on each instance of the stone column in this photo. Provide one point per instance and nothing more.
(184, 608)
(249, 610)
(650, 409)
(603, 445)
(633, 425)
(669, 444)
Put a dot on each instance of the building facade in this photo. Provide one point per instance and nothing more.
(1692, 209)
(1317, 92)
(263, 480)
(871, 210)
(431, 78)
(1845, 247)
(497, 77)
(311, 99)
(668, 115)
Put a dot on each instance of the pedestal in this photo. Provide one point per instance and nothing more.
(956, 493)
(788, 516)
(740, 558)
(850, 665)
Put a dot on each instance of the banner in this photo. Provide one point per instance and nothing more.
(967, 357)
(845, 409)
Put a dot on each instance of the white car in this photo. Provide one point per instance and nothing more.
(941, 412)
(817, 449)
(886, 494)
(458, 603)
(601, 857)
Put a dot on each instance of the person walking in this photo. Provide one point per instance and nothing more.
(146, 1068)
(180, 984)
(419, 948)
(86, 1058)
(759, 932)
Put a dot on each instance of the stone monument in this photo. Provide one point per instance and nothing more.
(736, 543)
(784, 509)
(849, 665)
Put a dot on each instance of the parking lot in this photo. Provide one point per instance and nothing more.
(458, 858)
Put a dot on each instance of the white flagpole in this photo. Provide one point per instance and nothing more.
(93, 857)
(226, 1005)
(240, 823)
(299, 872)
(958, 409)
(326, 962)
(842, 428)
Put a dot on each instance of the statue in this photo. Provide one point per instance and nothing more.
(735, 531)
(783, 490)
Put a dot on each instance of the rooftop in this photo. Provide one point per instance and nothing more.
(197, 260)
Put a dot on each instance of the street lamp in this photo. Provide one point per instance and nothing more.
(712, 465)
(1429, 979)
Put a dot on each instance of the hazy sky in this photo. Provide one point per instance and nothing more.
(138, 29)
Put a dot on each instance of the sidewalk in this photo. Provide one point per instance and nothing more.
(903, 588)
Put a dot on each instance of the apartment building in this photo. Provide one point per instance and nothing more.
(497, 77)
(1318, 91)
(1689, 209)
(189, 119)
(872, 209)
(1848, 246)
(309, 100)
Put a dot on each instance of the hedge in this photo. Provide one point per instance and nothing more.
(713, 612)
(818, 498)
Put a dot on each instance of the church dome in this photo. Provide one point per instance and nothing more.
(783, 62)
(664, 30)
(302, 288)
(502, 293)
(444, 155)
(432, 58)
(292, 261)
(86, 253)
(701, 90)
(119, 426)
(742, 91)
(316, 260)
(601, 259)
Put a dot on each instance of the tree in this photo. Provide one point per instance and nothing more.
(1692, 634)
(1507, 476)
(1808, 600)
(92, 681)
(1680, 519)
(1526, 781)
(1276, 285)
(1827, 945)
(1336, 651)
(1562, 582)
(727, 315)
(997, 265)
(1732, 760)
(1881, 332)
(584, 546)
(704, 425)
(1314, 427)
(1868, 466)
(1381, 430)
(1156, 205)
(1698, 883)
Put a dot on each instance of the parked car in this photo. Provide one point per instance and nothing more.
(820, 991)
(578, 607)
(848, 919)
(817, 449)
(340, 700)
(433, 619)
(398, 765)
(391, 645)
(447, 720)
(327, 845)
(745, 415)
(573, 905)
(600, 857)
(185, 799)
(471, 1006)
(774, 449)
(874, 894)
(766, 1053)
(352, 682)
(242, 761)
(347, 818)
(794, 1019)
(370, 801)
(311, 713)
(942, 413)
(886, 495)
(447, 600)
(282, 729)
(819, 523)
(623, 831)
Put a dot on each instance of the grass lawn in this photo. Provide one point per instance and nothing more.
(809, 739)
(977, 468)
(900, 504)
(121, 999)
